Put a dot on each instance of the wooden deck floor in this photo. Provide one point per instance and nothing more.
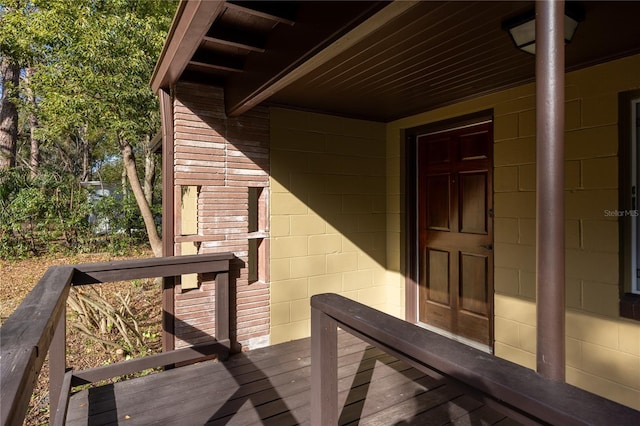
(271, 386)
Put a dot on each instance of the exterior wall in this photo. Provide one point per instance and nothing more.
(328, 215)
(603, 350)
(221, 157)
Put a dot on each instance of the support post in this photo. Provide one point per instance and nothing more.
(57, 362)
(324, 369)
(550, 254)
(222, 310)
(168, 283)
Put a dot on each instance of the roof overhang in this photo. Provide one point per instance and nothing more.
(375, 60)
(190, 24)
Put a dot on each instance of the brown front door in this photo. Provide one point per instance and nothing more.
(455, 223)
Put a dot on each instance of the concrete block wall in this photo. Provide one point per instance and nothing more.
(223, 157)
(603, 350)
(328, 215)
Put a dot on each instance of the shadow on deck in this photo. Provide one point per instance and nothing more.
(272, 386)
(385, 371)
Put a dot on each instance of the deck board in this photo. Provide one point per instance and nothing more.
(271, 386)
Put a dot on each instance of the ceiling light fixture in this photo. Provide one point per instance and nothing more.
(522, 28)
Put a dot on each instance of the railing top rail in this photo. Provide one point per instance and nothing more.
(92, 273)
(26, 335)
(504, 381)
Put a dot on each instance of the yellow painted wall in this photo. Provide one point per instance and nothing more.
(603, 350)
(327, 215)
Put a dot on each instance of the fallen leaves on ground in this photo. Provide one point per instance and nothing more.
(17, 279)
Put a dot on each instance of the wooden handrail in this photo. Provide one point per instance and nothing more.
(519, 390)
(25, 337)
(36, 327)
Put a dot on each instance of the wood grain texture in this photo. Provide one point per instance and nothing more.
(26, 336)
(518, 389)
(271, 386)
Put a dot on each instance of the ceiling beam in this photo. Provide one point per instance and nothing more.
(262, 10)
(218, 67)
(233, 43)
(190, 24)
(241, 96)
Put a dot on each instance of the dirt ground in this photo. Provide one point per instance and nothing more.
(17, 278)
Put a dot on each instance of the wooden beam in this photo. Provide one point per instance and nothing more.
(218, 67)
(273, 76)
(324, 369)
(190, 24)
(232, 43)
(57, 362)
(26, 337)
(184, 355)
(258, 9)
(59, 414)
(512, 386)
(168, 215)
(93, 273)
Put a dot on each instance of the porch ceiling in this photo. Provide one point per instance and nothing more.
(377, 60)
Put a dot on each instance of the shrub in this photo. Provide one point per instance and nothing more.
(51, 213)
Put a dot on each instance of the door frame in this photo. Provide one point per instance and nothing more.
(409, 215)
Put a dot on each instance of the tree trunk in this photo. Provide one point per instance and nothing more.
(34, 158)
(86, 154)
(149, 172)
(145, 209)
(10, 80)
(123, 180)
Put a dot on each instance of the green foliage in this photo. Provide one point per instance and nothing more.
(50, 213)
(40, 214)
(125, 226)
(96, 67)
(92, 61)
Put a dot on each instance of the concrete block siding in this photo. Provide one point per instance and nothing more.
(603, 350)
(328, 215)
(335, 209)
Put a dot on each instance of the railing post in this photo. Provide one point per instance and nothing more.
(324, 369)
(57, 363)
(222, 309)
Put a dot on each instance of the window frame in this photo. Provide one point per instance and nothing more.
(629, 185)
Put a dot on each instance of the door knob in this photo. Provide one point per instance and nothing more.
(487, 246)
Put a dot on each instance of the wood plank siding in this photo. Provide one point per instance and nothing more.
(223, 157)
(272, 386)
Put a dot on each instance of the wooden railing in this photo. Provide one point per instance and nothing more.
(516, 391)
(37, 328)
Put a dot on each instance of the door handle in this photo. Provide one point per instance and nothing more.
(487, 246)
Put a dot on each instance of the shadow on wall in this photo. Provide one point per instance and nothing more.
(329, 173)
(328, 188)
(193, 335)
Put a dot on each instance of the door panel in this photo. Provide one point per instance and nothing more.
(438, 282)
(437, 150)
(456, 231)
(474, 146)
(473, 283)
(438, 202)
(473, 203)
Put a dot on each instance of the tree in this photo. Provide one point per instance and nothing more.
(16, 50)
(34, 151)
(9, 80)
(92, 81)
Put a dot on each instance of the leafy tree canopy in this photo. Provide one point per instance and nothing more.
(90, 62)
